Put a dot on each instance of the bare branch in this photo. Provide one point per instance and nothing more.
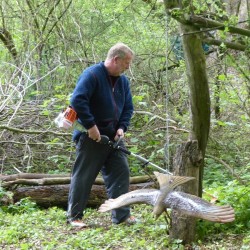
(202, 22)
(153, 115)
(23, 131)
(229, 45)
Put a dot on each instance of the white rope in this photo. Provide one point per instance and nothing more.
(166, 146)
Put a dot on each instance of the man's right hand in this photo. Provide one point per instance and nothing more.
(94, 133)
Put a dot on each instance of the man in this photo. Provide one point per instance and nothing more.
(103, 103)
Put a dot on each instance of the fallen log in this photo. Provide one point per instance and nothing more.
(48, 179)
(57, 195)
(38, 182)
(52, 190)
(12, 177)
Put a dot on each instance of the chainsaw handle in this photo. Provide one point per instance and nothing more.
(104, 139)
(116, 144)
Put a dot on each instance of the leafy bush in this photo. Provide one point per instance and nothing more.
(239, 197)
(25, 205)
(236, 195)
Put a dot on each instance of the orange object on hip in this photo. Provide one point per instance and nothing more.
(70, 117)
(70, 114)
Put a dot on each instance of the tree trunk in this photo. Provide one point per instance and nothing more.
(190, 156)
(189, 159)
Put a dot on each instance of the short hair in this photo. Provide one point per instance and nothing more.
(120, 50)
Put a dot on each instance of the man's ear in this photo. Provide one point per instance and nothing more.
(116, 58)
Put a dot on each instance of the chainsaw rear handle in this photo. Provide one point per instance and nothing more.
(105, 140)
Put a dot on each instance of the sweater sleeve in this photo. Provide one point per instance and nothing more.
(81, 98)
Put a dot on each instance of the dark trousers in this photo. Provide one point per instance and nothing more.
(93, 157)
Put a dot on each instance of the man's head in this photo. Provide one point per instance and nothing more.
(118, 59)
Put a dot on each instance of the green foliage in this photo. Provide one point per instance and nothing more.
(47, 229)
(25, 229)
(25, 205)
(239, 197)
(54, 44)
(246, 243)
(81, 36)
(2, 191)
(236, 195)
(215, 172)
(61, 161)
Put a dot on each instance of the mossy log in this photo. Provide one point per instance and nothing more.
(57, 195)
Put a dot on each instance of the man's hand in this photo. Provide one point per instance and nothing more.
(119, 134)
(94, 133)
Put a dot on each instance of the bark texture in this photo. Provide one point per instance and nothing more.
(188, 160)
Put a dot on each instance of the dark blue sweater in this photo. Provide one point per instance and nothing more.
(97, 102)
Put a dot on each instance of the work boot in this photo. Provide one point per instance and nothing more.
(77, 223)
(131, 220)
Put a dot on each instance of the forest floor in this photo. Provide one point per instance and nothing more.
(47, 229)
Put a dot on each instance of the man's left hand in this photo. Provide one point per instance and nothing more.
(119, 134)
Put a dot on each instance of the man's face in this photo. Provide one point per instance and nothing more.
(123, 64)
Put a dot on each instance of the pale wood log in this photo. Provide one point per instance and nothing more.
(47, 179)
(38, 182)
(30, 176)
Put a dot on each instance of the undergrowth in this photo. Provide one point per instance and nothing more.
(28, 227)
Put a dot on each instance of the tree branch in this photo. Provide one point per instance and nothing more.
(7, 40)
(58, 19)
(33, 15)
(23, 131)
(229, 45)
(202, 22)
(153, 116)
